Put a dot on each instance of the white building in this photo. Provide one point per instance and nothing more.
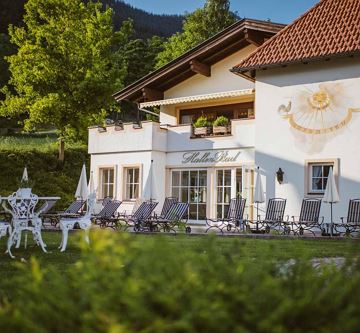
(284, 114)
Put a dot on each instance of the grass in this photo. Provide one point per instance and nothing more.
(41, 141)
(275, 249)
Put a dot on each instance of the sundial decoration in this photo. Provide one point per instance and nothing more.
(319, 110)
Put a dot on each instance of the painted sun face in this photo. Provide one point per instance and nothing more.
(319, 100)
(322, 110)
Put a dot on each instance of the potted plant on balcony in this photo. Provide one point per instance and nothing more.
(202, 126)
(221, 125)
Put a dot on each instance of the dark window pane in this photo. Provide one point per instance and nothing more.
(193, 212)
(184, 195)
(175, 178)
(227, 194)
(185, 178)
(202, 194)
(317, 171)
(238, 182)
(193, 178)
(317, 184)
(219, 211)
(226, 209)
(220, 194)
(219, 178)
(202, 178)
(227, 177)
(175, 192)
(202, 212)
(326, 170)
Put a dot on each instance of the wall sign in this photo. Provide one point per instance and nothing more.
(197, 157)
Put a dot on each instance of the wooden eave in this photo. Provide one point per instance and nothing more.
(207, 53)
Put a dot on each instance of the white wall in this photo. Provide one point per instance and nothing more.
(151, 186)
(280, 145)
(149, 137)
(221, 80)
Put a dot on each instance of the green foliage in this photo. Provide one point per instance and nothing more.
(125, 283)
(65, 68)
(202, 121)
(198, 26)
(140, 57)
(6, 48)
(42, 167)
(221, 121)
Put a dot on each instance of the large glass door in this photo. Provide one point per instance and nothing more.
(223, 192)
(234, 183)
(191, 186)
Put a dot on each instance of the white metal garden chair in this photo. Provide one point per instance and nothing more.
(24, 218)
(84, 222)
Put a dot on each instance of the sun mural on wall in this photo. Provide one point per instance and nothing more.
(318, 113)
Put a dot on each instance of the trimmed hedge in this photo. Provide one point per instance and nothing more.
(128, 284)
(43, 170)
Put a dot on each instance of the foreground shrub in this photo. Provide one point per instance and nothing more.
(128, 284)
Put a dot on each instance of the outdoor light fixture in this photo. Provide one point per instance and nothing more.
(280, 176)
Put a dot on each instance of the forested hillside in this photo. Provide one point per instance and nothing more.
(146, 24)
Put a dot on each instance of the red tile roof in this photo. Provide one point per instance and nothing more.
(332, 27)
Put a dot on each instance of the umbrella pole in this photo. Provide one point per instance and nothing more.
(331, 220)
(257, 216)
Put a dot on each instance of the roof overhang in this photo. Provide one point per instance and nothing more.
(199, 59)
(250, 72)
(199, 98)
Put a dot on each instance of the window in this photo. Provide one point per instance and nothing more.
(223, 192)
(107, 182)
(191, 186)
(132, 183)
(317, 176)
(230, 111)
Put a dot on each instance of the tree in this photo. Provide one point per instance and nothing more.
(198, 26)
(6, 48)
(141, 57)
(68, 63)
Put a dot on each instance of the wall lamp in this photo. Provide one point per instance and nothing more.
(280, 176)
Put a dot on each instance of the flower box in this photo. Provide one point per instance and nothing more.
(218, 130)
(201, 131)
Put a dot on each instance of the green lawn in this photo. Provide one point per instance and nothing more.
(275, 248)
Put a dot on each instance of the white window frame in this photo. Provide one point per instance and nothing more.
(309, 191)
(179, 187)
(223, 186)
(108, 183)
(125, 183)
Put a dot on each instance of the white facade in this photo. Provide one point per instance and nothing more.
(162, 151)
(306, 117)
(291, 133)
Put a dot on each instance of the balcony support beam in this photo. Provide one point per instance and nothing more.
(200, 68)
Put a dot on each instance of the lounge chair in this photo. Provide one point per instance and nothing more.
(233, 219)
(350, 224)
(143, 213)
(174, 215)
(168, 203)
(107, 216)
(309, 218)
(75, 209)
(274, 217)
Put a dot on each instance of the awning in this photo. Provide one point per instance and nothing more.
(197, 98)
